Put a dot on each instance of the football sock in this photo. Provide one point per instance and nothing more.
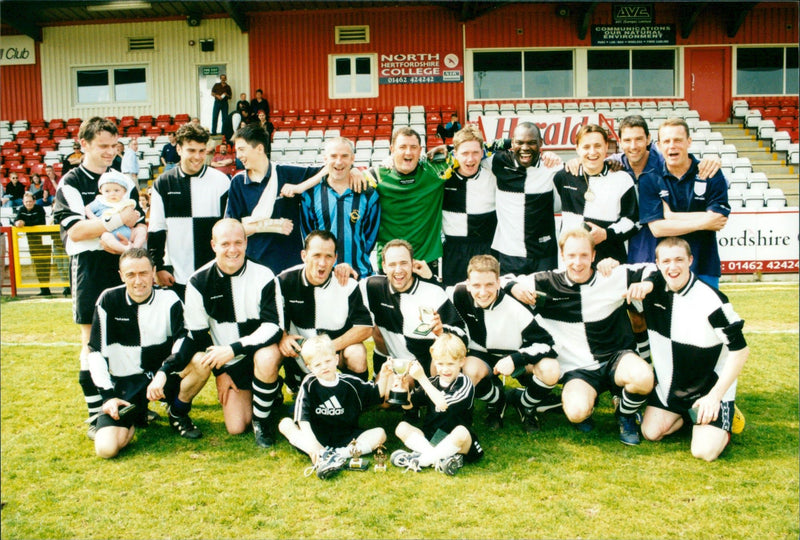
(94, 402)
(630, 402)
(643, 344)
(418, 443)
(378, 360)
(442, 450)
(535, 391)
(179, 408)
(489, 389)
(266, 397)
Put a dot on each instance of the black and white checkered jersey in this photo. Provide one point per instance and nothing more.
(397, 315)
(77, 189)
(525, 221)
(129, 338)
(614, 207)
(460, 397)
(241, 310)
(507, 327)
(589, 320)
(183, 210)
(468, 208)
(334, 407)
(329, 308)
(691, 333)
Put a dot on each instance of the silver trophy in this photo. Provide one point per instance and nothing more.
(398, 395)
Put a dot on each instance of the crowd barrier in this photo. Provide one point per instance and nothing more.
(34, 257)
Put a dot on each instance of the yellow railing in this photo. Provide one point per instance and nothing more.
(39, 259)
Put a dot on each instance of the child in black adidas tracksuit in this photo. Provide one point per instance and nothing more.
(327, 408)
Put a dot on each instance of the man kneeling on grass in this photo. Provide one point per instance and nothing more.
(133, 331)
(327, 409)
(446, 439)
(698, 351)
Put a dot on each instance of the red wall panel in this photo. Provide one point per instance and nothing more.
(289, 54)
(21, 91)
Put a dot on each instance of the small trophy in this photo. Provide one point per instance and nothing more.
(426, 318)
(357, 463)
(380, 459)
(398, 395)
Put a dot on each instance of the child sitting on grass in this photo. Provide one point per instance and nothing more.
(114, 188)
(446, 439)
(327, 408)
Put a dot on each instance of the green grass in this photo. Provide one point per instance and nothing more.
(557, 484)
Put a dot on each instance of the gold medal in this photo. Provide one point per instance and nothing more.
(589, 195)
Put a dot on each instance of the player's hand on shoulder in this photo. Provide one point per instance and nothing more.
(606, 266)
(573, 166)
(343, 272)
(422, 269)
(637, 291)
(550, 159)
(524, 293)
(164, 278)
(708, 167)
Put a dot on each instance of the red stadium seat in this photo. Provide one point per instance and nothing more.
(127, 121)
(384, 119)
(23, 136)
(306, 118)
(335, 121)
(368, 110)
(47, 146)
(366, 132)
(73, 131)
(153, 132)
(433, 118)
(383, 130)
(433, 141)
(57, 123)
(337, 112)
(306, 112)
(287, 124)
(430, 129)
(350, 131)
(59, 135)
(352, 120)
(433, 109)
(134, 131)
(38, 123)
(113, 119)
(26, 151)
(164, 118)
(182, 117)
(368, 119)
(35, 167)
(354, 111)
(290, 113)
(322, 111)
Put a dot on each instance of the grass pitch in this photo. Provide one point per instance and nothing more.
(555, 484)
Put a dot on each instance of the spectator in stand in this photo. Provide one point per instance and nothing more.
(223, 161)
(41, 195)
(144, 202)
(169, 154)
(14, 191)
(117, 163)
(263, 121)
(221, 92)
(72, 160)
(259, 104)
(242, 104)
(31, 215)
(48, 189)
(130, 161)
(447, 131)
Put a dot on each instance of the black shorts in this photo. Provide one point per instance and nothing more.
(91, 272)
(518, 266)
(336, 439)
(456, 254)
(132, 389)
(475, 452)
(602, 378)
(241, 373)
(724, 418)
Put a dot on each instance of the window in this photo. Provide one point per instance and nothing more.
(628, 73)
(548, 74)
(766, 70)
(353, 76)
(574, 73)
(111, 85)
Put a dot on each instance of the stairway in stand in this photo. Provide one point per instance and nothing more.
(771, 163)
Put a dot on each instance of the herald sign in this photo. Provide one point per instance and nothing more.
(763, 241)
(558, 130)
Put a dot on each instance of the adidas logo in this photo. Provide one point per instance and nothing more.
(331, 407)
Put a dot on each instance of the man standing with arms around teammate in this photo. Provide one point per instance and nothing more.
(93, 267)
(678, 202)
(333, 206)
(186, 202)
(525, 240)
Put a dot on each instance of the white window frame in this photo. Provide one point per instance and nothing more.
(735, 69)
(373, 61)
(111, 90)
(580, 71)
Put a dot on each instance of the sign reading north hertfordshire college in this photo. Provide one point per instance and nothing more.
(626, 35)
(419, 68)
(16, 50)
